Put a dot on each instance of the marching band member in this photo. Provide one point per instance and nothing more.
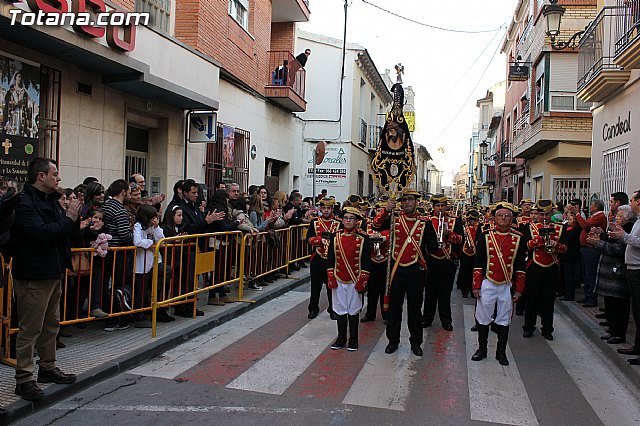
(499, 265)
(442, 266)
(377, 279)
(317, 237)
(547, 241)
(413, 239)
(526, 204)
(349, 263)
(467, 256)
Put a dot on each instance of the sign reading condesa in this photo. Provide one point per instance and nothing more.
(120, 37)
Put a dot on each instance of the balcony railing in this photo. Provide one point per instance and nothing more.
(597, 50)
(520, 124)
(505, 157)
(490, 175)
(286, 80)
(363, 132)
(627, 23)
(374, 136)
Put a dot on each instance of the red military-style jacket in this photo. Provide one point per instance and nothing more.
(314, 234)
(470, 234)
(451, 247)
(500, 258)
(536, 244)
(413, 238)
(349, 257)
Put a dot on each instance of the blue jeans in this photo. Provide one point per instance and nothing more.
(590, 258)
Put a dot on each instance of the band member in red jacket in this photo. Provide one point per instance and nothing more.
(318, 235)
(500, 265)
(349, 263)
(468, 254)
(377, 280)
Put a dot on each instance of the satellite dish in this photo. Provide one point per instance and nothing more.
(320, 152)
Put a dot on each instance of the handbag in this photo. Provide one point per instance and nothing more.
(81, 262)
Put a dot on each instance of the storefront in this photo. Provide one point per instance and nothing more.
(101, 108)
(616, 142)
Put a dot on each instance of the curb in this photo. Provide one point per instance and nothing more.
(162, 344)
(592, 332)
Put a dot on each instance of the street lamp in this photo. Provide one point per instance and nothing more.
(483, 152)
(553, 14)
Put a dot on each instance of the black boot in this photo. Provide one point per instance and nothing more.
(342, 332)
(483, 336)
(501, 352)
(353, 332)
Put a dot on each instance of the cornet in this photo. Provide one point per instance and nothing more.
(546, 233)
(440, 232)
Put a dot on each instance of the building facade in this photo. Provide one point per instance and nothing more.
(609, 76)
(545, 124)
(460, 185)
(350, 124)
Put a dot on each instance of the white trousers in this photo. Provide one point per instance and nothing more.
(490, 296)
(346, 300)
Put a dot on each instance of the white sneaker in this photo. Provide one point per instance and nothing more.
(254, 286)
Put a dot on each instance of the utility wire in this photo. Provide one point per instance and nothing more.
(468, 97)
(468, 69)
(434, 27)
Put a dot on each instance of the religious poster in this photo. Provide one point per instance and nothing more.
(393, 164)
(19, 110)
(228, 146)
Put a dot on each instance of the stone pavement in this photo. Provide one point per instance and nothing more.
(94, 354)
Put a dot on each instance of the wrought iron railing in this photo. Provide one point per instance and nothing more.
(627, 23)
(505, 155)
(363, 132)
(520, 124)
(597, 46)
(373, 136)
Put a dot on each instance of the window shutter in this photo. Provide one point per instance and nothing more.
(563, 70)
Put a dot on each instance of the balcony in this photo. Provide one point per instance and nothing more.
(489, 176)
(286, 81)
(363, 132)
(520, 124)
(505, 158)
(290, 11)
(373, 137)
(598, 75)
(627, 47)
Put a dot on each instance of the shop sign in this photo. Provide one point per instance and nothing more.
(202, 127)
(19, 112)
(610, 131)
(333, 172)
(518, 73)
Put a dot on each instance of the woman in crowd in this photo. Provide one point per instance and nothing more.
(93, 198)
(611, 279)
(133, 202)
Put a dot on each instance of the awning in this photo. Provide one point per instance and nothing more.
(118, 70)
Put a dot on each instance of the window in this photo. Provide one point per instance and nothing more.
(540, 95)
(538, 189)
(360, 189)
(568, 102)
(485, 116)
(159, 13)
(239, 11)
(614, 170)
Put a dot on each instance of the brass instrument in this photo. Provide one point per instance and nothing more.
(440, 232)
(375, 243)
(546, 234)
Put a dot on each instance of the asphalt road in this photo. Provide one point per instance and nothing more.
(274, 366)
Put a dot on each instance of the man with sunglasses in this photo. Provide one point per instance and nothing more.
(413, 238)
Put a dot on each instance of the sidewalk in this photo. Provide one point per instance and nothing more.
(585, 319)
(94, 354)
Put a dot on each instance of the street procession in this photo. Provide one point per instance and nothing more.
(226, 212)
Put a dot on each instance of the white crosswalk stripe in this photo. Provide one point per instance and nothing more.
(385, 380)
(608, 393)
(274, 373)
(496, 393)
(180, 359)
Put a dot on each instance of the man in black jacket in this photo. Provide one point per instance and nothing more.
(41, 253)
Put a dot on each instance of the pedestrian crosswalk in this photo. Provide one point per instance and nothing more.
(275, 350)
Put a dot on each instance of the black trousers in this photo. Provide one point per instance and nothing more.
(318, 279)
(376, 289)
(465, 274)
(409, 281)
(617, 310)
(633, 280)
(440, 276)
(540, 287)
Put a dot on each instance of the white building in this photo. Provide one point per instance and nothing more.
(351, 125)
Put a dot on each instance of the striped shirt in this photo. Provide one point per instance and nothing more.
(116, 223)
